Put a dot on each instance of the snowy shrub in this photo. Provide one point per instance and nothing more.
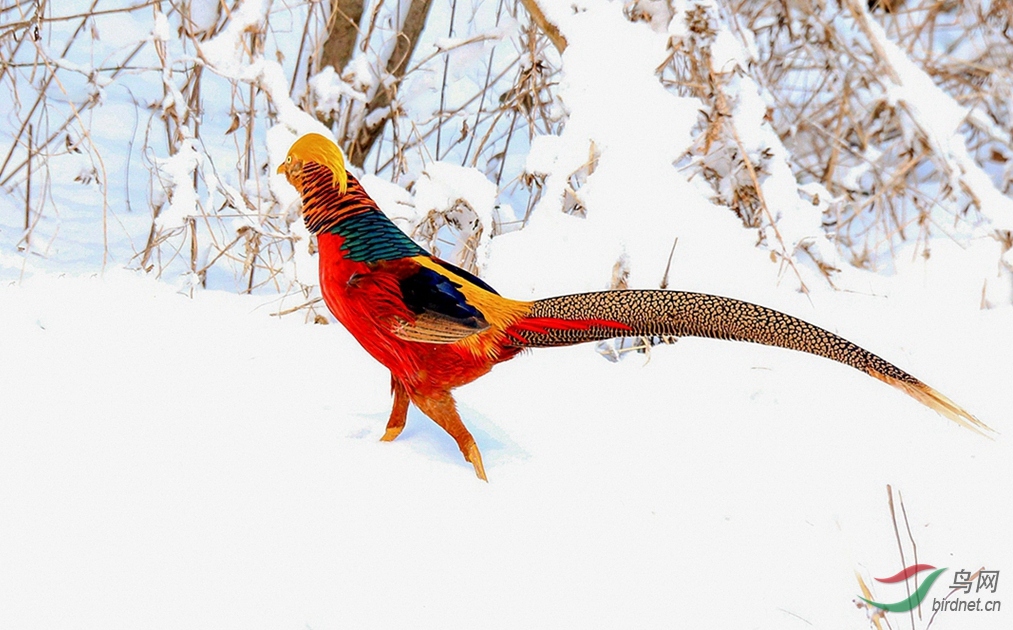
(828, 134)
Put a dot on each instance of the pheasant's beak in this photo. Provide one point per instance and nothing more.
(281, 169)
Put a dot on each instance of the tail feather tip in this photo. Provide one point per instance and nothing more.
(941, 404)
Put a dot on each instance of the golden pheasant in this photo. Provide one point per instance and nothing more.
(437, 327)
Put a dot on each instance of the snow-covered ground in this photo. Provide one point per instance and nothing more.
(173, 457)
(144, 484)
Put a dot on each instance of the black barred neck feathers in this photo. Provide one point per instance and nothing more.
(369, 236)
(324, 206)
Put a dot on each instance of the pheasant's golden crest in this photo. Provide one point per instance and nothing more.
(319, 149)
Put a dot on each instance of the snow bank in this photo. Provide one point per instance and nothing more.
(145, 484)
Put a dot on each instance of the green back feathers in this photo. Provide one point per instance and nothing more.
(372, 237)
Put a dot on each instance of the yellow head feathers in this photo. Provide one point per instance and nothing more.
(314, 147)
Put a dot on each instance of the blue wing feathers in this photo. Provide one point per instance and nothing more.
(428, 291)
(464, 274)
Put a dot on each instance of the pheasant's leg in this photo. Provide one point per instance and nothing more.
(443, 411)
(399, 413)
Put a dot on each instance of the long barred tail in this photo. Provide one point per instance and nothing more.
(573, 319)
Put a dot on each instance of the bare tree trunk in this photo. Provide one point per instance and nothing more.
(397, 64)
(342, 32)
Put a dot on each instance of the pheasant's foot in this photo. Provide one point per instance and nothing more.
(391, 433)
(473, 456)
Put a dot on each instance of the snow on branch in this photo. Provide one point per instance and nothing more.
(177, 176)
(743, 157)
(226, 50)
(937, 118)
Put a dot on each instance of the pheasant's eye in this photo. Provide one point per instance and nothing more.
(288, 160)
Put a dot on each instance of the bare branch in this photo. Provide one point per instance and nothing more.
(397, 64)
(550, 29)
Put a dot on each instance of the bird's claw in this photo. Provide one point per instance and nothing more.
(475, 457)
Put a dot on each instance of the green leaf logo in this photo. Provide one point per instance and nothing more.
(916, 597)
